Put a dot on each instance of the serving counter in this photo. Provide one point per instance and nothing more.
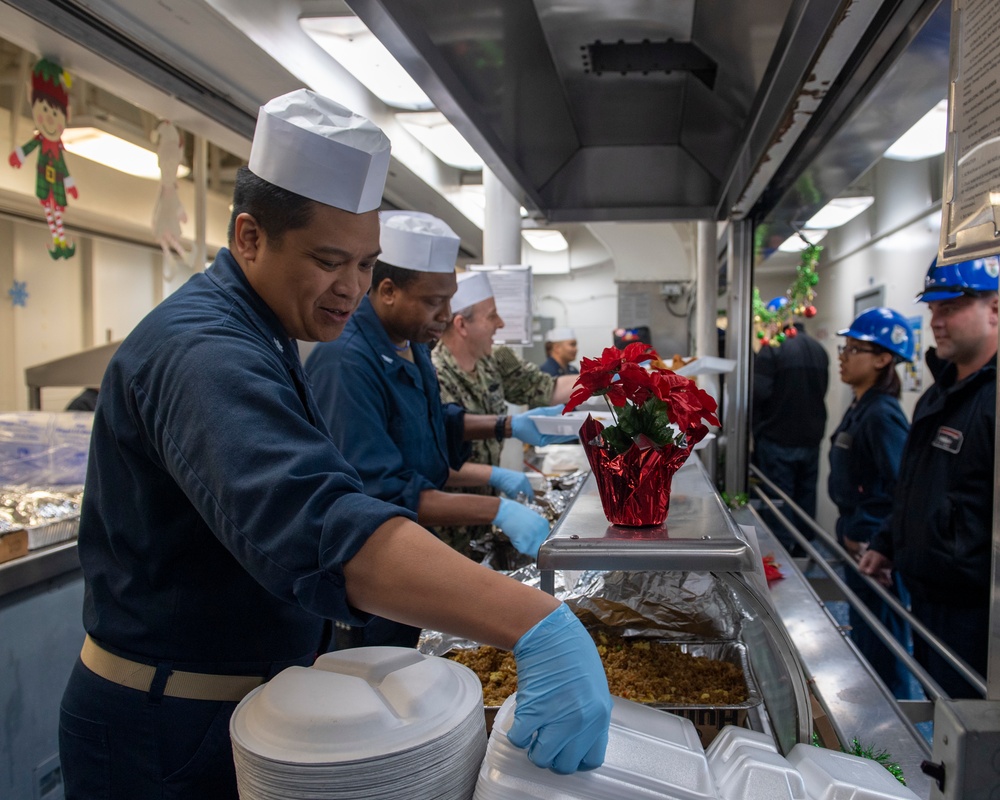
(793, 643)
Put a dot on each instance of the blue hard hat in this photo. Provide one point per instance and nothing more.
(886, 328)
(777, 303)
(949, 281)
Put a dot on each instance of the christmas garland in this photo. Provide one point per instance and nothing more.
(774, 325)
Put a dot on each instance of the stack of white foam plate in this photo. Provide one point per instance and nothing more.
(373, 722)
(651, 753)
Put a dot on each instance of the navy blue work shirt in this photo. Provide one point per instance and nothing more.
(552, 367)
(384, 412)
(865, 452)
(217, 514)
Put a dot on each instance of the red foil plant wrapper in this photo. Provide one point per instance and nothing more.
(659, 417)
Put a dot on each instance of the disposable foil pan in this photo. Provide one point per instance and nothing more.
(708, 719)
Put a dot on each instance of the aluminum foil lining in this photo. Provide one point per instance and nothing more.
(39, 507)
(673, 606)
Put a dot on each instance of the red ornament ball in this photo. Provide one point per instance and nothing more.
(791, 331)
(765, 341)
(810, 311)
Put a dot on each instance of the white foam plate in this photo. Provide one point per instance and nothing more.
(355, 704)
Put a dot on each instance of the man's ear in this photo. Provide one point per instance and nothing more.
(248, 237)
(386, 291)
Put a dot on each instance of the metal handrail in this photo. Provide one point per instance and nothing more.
(934, 691)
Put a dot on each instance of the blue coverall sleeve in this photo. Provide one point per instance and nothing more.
(231, 429)
(357, 411)
(459, 450)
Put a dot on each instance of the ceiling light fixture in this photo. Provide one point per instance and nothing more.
(838, 211)
(356, 48)
(796, 244)
(925, 139)
(433, 131)
(548, 241)
(112, 151)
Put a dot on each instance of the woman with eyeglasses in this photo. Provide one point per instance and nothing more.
(865, 452)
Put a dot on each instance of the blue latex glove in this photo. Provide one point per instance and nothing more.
(563, 705)
(511, 483)
(523, 428)
(525, 529)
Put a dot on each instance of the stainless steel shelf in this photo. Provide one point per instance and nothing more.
(699, 533)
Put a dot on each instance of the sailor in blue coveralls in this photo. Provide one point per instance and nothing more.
(221, 526)
(864, 464)
(379, 394)
(940, 534)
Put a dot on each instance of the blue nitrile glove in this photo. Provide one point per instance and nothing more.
(525, 529)
(523, 428)
(511, 483)
(562, 696)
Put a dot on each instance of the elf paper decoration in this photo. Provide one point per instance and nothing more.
(50, 85)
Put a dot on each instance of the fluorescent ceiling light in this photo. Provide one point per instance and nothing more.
(925, 139)
(434, 132)
(547, 240)
(349, 42)
(796, 244)
(114, 152)
(838, 211)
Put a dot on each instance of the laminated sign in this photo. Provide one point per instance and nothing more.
(970, 224)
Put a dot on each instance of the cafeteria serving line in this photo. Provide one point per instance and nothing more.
(635, 175)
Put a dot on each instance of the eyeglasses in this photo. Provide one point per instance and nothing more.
(851, 349)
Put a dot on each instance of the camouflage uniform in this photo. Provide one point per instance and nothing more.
(498, 379)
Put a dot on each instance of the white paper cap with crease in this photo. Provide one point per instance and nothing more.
(473, 287)
(560, 335)
(418, 241)
(308, 144)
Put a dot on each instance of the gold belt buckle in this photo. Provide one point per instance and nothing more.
(50, 173)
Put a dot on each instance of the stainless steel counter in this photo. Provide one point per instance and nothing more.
(38, 566)
(857, 702)
(699, 533)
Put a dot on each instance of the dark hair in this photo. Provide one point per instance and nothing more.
(888, 381)
(398, 275)
(276, 210)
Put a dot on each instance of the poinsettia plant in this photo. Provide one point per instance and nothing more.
(645, 401)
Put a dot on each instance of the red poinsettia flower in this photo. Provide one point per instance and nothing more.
(646, 401)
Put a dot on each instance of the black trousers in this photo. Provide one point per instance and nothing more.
(117, 743)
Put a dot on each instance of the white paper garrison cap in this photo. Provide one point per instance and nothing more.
(308, 144)
(473, 287)
(560, 335)
(418, 241)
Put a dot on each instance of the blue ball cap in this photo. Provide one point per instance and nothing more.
(948, 281)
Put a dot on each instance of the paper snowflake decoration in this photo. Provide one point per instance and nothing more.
(19, 293)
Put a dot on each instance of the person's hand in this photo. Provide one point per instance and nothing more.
(14, 161)
(525, 529)
(563, 705)
(855, 549)
(511, 483)
(876, 565)
(523, 427)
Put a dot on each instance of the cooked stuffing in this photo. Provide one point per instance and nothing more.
(638, 669)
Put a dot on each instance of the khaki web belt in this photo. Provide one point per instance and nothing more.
(189, 685)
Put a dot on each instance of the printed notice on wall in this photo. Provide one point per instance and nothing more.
(970, 225)
(512, 292)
